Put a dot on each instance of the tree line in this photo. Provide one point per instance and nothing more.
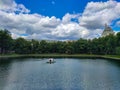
(102, 45)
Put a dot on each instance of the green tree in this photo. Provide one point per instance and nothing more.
(117, 50)
(81, 46)
(110, 44)
(118, 39)
(69, 48)
(52, 47)
(5, 41)
(34, 46)
(43, 47)
(22, 46)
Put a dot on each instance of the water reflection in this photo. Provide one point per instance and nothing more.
(4, 72)
(65, 74)
(116, 63)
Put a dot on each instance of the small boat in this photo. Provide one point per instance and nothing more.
(51, 60)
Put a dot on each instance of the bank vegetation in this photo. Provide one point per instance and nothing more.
(109, 45)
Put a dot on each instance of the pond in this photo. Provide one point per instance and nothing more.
(65, 74)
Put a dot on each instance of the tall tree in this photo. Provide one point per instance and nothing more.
(34, 46)
(22, 46)
(118, 39)
(5, 41)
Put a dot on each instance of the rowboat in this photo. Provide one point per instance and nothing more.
(51, 60)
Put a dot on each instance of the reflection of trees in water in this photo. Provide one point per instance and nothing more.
(117, 63)
(4, 72)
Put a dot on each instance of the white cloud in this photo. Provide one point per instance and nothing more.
(12, 6)
(6, 4)
(96, 14)
(118, 23)
(68, 17)
(15, 35)
(36, 26)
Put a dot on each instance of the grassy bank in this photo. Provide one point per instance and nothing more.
(112, 57)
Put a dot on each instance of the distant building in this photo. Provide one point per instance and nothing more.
(107, 31)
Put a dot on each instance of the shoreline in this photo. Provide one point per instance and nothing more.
(84, 56)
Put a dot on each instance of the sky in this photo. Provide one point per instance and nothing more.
(59, 19)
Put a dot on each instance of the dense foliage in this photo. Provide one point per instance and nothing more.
(5, 41)
(103, 45)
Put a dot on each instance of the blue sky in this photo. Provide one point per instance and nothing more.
(56, 8)
(59, 19)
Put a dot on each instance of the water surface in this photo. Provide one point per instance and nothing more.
(65, 74)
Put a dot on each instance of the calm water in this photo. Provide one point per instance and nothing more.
(65, 74)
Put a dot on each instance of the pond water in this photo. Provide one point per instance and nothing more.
(65, 74)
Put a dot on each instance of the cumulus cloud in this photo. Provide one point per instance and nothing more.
(6, 4)
(68, 18)
(12, 6)
(96, 14)
(41, 27)
(89, 24)
(118, 23)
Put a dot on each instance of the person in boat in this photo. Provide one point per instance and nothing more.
(50, 61)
